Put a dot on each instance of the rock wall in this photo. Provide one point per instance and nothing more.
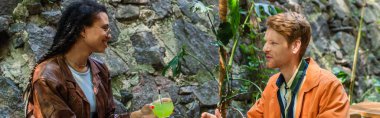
(148, 33)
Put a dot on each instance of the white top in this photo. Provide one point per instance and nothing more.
(84, 80)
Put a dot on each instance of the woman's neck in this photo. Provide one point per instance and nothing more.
(77, 58)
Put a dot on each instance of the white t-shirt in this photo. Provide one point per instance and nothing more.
(84, 80)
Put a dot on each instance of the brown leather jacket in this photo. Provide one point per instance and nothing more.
(55, 93)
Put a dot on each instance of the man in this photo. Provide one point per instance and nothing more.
(302, 88)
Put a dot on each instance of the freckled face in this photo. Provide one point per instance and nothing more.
(276, 49)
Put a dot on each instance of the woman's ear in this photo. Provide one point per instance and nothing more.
(296, 46)
(83, 33)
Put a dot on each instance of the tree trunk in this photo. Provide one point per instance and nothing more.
(222, 59)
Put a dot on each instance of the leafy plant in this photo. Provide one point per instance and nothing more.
(231, 28)
(175, 63)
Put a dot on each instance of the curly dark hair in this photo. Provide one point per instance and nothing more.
(73, 20)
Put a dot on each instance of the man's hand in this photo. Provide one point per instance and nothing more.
(208, 115)
(144, 112)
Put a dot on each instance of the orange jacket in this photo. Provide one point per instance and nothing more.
(321, 95)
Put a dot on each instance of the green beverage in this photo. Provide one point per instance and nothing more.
(163, 109)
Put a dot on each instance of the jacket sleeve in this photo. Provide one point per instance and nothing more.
(334, 103)
(111, 104)
(47, 102)
(257, 110)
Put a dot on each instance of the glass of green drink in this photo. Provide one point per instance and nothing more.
(163, 106)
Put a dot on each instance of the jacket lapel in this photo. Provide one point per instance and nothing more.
(311, 80)
(274, 104)
(70, 78)
(95, 76)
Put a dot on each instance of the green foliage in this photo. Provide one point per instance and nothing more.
(267, 9)
(175, 63)
(372, 93)
(225, 32)
(234, 16)
(377, 85)
(253, 64)
(234, 29)
(340, 74)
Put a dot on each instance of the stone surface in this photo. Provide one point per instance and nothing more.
(52, 16)
(197, 43)
(40, 39)
(148, 88)
(185, 7)
(66, 3)
(5, 21)
(147, 50)
(20, 12)
(161, 7)
(194, 110)
(119, 107)
(346, 41)
(135, 1)
(16, 27)
(186, 90)
(207, 93)
(369, 16)
(19, 39)
(127, 12)
(126, 97)
(147, 15)
(341, 8)
(319, 25)
(7, 6)
(179, 112)
(115, 1)
(34, 8)
(374, 35)
(10, 99)
(115, 64)
(185, 99)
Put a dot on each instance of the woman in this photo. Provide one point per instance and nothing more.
(67, 82)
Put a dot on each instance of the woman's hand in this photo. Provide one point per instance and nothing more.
(146, 111)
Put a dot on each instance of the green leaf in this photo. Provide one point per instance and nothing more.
(268, 9)
(279, 10)
(234, 16)
(340, 74)
(377, 85)
(225, 32)
(175, 63)
(172, 64)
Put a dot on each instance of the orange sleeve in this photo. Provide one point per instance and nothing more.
(334, 102)
(257, 110)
